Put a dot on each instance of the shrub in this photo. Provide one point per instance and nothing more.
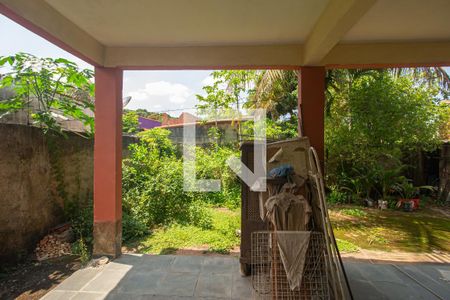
(211, 164)
(200, 216)
(132, 227)
(336, 197)
(81, 218)
(153, 193)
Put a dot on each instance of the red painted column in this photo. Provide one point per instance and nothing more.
(311, 101)
(108, 162)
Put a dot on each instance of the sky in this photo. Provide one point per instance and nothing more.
(159, 91)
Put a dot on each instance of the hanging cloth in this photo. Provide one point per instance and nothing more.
(293, 246)
(287, 211)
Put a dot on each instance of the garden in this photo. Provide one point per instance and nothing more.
(376, 120)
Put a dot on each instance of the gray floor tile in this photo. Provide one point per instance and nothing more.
(186, 264)
(140, 282)
(214, 285)
(152, 263)
(78, 279)
(177, 284)
(88, 296)
(58, 295)
(107, 280)
(241, 287)
(218, 265)
(432, 276)
(130, 259)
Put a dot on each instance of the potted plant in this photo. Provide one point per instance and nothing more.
(387, 179)
(409, 194)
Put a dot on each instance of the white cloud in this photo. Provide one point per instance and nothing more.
(209, 80)
(174, 92)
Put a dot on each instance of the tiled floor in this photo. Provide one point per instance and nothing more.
(197, 277)
(399, 281)
(158, 277)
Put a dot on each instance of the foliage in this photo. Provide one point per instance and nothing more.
(153, 193)
(275, 130)
(157, 140)
(80, 248)
(130, 123)
(354, 212)
(345, 246)
(407, 190)
(211, 164)
(81, 218)
(337, 197)
(277, 92)
(132, 227)
(59, 87)
(373, 118)
(228, 91)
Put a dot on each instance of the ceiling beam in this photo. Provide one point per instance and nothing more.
(385, 55)
(211, 57)
(335, 21)
(40, 18)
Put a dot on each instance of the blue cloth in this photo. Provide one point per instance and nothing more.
(281, 171)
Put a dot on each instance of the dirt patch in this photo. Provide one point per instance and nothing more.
(32, 279)
(397, 257)
(193, 251)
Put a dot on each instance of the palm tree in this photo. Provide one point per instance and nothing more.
(268, 84)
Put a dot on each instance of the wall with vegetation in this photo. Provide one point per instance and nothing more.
(38, 175)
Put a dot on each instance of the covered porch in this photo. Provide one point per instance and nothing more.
(306, 35)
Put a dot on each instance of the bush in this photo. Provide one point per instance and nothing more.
(336, 197)
(200, 216)
(81, 218)
(372, 120)
(211, 164)
(132, 227)
(153, 193)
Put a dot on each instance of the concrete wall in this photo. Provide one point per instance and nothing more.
(32, 171)
(229, 133)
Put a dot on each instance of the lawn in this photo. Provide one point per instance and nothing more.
(355, 228)
(222, 237)
(390, 230)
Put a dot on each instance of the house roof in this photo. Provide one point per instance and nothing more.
(221, 34)
(208, 122)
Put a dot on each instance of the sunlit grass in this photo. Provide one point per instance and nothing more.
(346, 246)
(391, 230)
(221, 238)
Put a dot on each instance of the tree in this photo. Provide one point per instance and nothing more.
(216, 100)
(229, 90)
(276, 91)
(58, 85)
(130, 122)
(374, 120)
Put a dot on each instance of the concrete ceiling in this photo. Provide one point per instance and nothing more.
(177, 34)
(403, 20)
(168, 23)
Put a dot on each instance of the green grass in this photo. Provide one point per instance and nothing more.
(346, 246)
(355, 212)
(221, 238)
(391, 230)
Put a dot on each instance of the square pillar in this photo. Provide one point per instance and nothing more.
(311, 101)
(108, 162)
